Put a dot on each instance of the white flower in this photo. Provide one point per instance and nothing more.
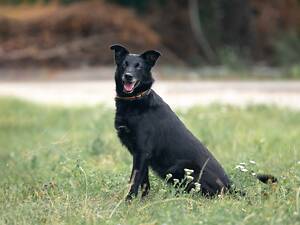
(253, 174)
(189, 178)
(188, 171)
(168, 176)
(197, 186)
(176, 181)
(244, 170)
(239, 167)
(243, 164)
(252, 162)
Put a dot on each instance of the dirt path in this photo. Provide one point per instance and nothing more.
(177, 94)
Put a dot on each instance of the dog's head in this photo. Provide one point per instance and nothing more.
(133, 73)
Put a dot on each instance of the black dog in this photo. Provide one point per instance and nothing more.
(154, 135)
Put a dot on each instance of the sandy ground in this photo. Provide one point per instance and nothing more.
(176, 93)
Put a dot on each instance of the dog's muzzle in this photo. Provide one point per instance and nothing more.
(129, 82)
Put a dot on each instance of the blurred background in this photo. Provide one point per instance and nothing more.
(68, 33)
(199, 39)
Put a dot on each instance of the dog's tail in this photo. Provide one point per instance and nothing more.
(267, 178)
(264, 178)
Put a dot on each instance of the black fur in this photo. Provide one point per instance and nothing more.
(154, 135)
(266, 178)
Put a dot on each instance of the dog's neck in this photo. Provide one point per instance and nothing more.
(134, 97)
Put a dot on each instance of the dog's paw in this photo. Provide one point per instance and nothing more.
(128, 198)
(145, 191)
(144, 194)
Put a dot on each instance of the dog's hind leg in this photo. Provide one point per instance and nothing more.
(177, 170)
(210, 183)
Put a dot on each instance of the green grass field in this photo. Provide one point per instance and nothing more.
(66, 166)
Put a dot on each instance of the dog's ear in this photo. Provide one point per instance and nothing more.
(150, 57)
(120, 52)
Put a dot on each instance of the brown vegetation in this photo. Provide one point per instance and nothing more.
(80, 33)
(69, 35)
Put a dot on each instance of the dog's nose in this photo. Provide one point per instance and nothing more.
(128, 76)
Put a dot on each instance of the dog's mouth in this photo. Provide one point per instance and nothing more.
(129, 87)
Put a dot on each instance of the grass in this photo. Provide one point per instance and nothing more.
(66, 166)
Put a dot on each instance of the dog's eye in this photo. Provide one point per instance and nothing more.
(125, 64)
(137, 65)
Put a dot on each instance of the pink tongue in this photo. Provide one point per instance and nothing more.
(128, 86)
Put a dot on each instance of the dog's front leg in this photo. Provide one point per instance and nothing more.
(145, 186)
(131, 175)
(140, 169)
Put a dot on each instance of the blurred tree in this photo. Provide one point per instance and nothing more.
(194, 30)
(198, 31)
(140, 5)
(16, 2)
